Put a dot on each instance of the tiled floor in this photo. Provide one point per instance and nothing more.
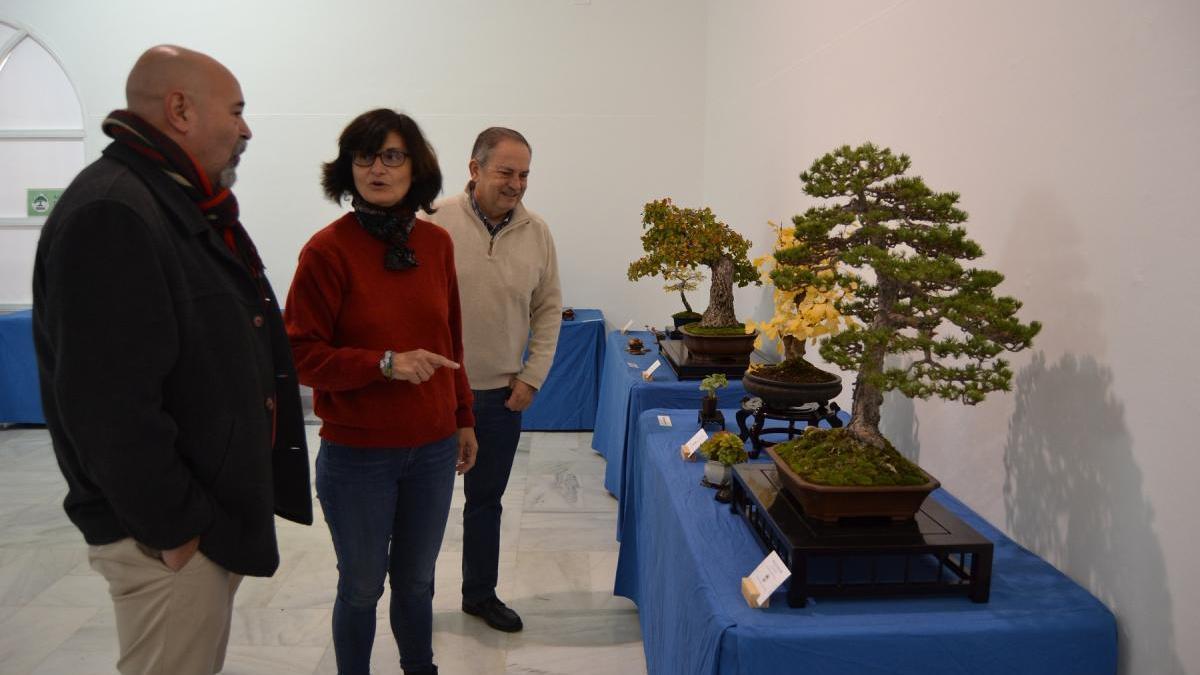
(558, 557)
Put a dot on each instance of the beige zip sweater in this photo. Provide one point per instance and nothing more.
(510, 294)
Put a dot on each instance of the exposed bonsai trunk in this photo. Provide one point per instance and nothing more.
(687, 305)
(793, 348)
(864, 412)
(868, 399)
(720, 296)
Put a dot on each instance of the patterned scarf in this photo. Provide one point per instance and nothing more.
(219, 206)
(392, 227)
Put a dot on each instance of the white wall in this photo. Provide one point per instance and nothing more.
(1070, 129)
(610, 95)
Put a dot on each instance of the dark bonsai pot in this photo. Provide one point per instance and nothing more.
(830, 502)
(818, 386)
(723, 347)
(682, 319)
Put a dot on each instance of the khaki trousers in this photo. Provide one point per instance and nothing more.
(168, 623)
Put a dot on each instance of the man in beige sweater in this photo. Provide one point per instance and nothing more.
(512, 309)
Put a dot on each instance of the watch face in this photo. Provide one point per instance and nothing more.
(752, 403)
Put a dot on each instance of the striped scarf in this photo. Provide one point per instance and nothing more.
(219, 207)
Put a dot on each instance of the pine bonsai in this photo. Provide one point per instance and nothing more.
(677, 238)
(897, 247)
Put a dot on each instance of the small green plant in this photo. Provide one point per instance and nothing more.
(725, 447)
(712, 383)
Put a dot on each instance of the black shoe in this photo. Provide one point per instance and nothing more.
(495, 613)
(432, 670)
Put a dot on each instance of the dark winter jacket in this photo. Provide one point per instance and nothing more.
(165, 373)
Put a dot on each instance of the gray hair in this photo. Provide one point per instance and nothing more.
(489, 138)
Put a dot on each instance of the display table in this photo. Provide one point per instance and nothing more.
(682, 556)
(624, 395)
(20, 395)
(567, 399)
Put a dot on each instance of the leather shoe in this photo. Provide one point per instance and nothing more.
(495, 613)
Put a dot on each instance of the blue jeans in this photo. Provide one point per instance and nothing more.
(373, 497)
(498, 429)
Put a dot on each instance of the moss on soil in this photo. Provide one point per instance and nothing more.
(833, 457)
(696, 329)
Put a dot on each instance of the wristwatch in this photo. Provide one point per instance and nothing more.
(385, 364)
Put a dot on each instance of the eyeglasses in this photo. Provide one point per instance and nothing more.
(390, 157)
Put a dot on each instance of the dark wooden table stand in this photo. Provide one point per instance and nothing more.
(810, 415)
(935, 553)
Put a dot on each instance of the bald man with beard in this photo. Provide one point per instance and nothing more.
(167, 380)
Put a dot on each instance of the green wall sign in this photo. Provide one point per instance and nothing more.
(39, 201)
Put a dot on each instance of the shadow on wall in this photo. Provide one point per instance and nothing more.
(1073, 494)
(899, 424)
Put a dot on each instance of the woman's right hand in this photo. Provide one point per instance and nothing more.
(418, 365)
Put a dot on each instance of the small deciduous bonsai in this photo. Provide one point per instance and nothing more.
(708, 405)
(896, 249)
(679, 238)
(682, 279)
(709, 385)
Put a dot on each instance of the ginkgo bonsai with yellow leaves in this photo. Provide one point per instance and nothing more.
(803, 312)
(888, 251)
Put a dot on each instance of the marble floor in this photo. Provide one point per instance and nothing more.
(558, 557)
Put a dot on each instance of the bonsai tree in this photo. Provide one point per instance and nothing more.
(725, 447)
(682, 278)
(897, 246)
(677, 238)
(803, 311)
(712, 383)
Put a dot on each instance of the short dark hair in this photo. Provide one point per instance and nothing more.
(367, 133)
(490, 137)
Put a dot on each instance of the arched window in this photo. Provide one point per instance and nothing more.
(41, 147)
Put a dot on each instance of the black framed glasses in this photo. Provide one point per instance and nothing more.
(391, 157)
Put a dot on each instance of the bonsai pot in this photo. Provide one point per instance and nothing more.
(721, 347)
(716, 473)
(709, 414)
(684, 320)
(830, 502)
(779, 394)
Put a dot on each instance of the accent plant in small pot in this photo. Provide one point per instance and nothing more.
(709, 414)
(676, 239)
(723, 449)
(894, 248)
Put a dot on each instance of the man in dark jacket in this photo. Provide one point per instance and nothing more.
(167, 382)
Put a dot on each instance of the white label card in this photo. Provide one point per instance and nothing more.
(625, 328)
(694, 443)
(653, 367)
(664, 421)
(768, 576)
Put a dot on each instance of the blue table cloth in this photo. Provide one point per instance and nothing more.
(683, 555)
(624, 395)
(567, 399)
(20, 395)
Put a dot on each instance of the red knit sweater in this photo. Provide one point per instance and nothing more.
(344, 310)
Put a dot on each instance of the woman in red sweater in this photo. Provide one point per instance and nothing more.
(373, 318)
